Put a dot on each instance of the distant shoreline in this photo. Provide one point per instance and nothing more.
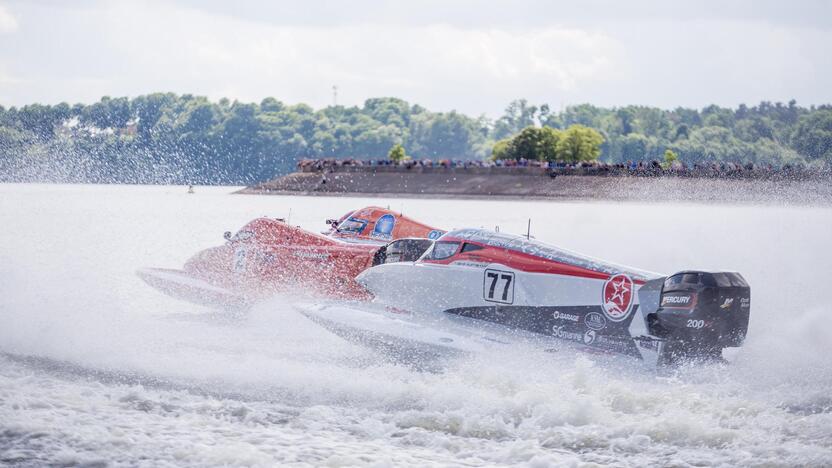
(520, 185)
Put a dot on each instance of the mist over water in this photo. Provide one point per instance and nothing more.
(97, 367)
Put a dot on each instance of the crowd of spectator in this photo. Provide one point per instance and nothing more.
(653, 168)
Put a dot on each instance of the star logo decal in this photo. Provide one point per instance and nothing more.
(618, 297)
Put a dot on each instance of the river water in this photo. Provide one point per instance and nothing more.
(98, 369)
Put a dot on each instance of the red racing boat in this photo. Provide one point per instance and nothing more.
(268, 255)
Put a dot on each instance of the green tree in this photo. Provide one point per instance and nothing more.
(518, 115)
(500, 149)
(635, 147)
(682, 132)
(445, 135)
(535, 143)
(669, 158)
(549, 138)
(149, 109)
(627, 118)
(107, 113)
(579, 143)
(42, 120)
(583, 114)
(388, 111)
(813, 135)
(531, 143)
(270, 104)
(397, 153)
(716, 116)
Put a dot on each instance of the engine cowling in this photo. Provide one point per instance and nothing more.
(700, 313)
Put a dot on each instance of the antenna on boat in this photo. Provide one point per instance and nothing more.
(529, 230)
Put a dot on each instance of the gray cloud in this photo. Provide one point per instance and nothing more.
(464, 55)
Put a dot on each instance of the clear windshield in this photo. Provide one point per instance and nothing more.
(406, 250)
(351, 226)
(443, 249)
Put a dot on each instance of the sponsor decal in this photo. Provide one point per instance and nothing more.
(384, 227)
(311, 255)
(615, 344)
(589, 337)
(729, 301)
(617, 297)
(559, 332)
(435, 234)
(469, 264)
(685, 300)
(564, 316)
(695, 324)
(595, 321)
(745, 302)
(679, 300)
(652, 345)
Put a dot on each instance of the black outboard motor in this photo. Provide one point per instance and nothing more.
(701, 313)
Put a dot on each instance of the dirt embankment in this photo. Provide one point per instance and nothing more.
(462, 183)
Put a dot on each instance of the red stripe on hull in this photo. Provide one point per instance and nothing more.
(523, 262)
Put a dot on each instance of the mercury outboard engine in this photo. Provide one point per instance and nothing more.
(699, 314)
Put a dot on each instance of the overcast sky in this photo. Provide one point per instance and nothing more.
(472, 56)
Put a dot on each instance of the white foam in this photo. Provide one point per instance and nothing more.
(149, 378)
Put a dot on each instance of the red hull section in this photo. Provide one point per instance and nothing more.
(269, 256)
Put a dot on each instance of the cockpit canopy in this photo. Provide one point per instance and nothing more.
(402, 250)
(379, 225)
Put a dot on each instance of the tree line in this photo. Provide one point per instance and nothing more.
(576, 143)
(776, 134)
(169, 138)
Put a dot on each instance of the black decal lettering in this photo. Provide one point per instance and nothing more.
(508, 283)
(494, 277)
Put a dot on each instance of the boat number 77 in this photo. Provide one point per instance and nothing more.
(498, 286)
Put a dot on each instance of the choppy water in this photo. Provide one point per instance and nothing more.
(99, 369)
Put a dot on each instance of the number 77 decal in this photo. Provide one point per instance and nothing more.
(498, 286)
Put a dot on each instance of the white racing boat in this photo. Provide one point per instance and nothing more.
(474, 288)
